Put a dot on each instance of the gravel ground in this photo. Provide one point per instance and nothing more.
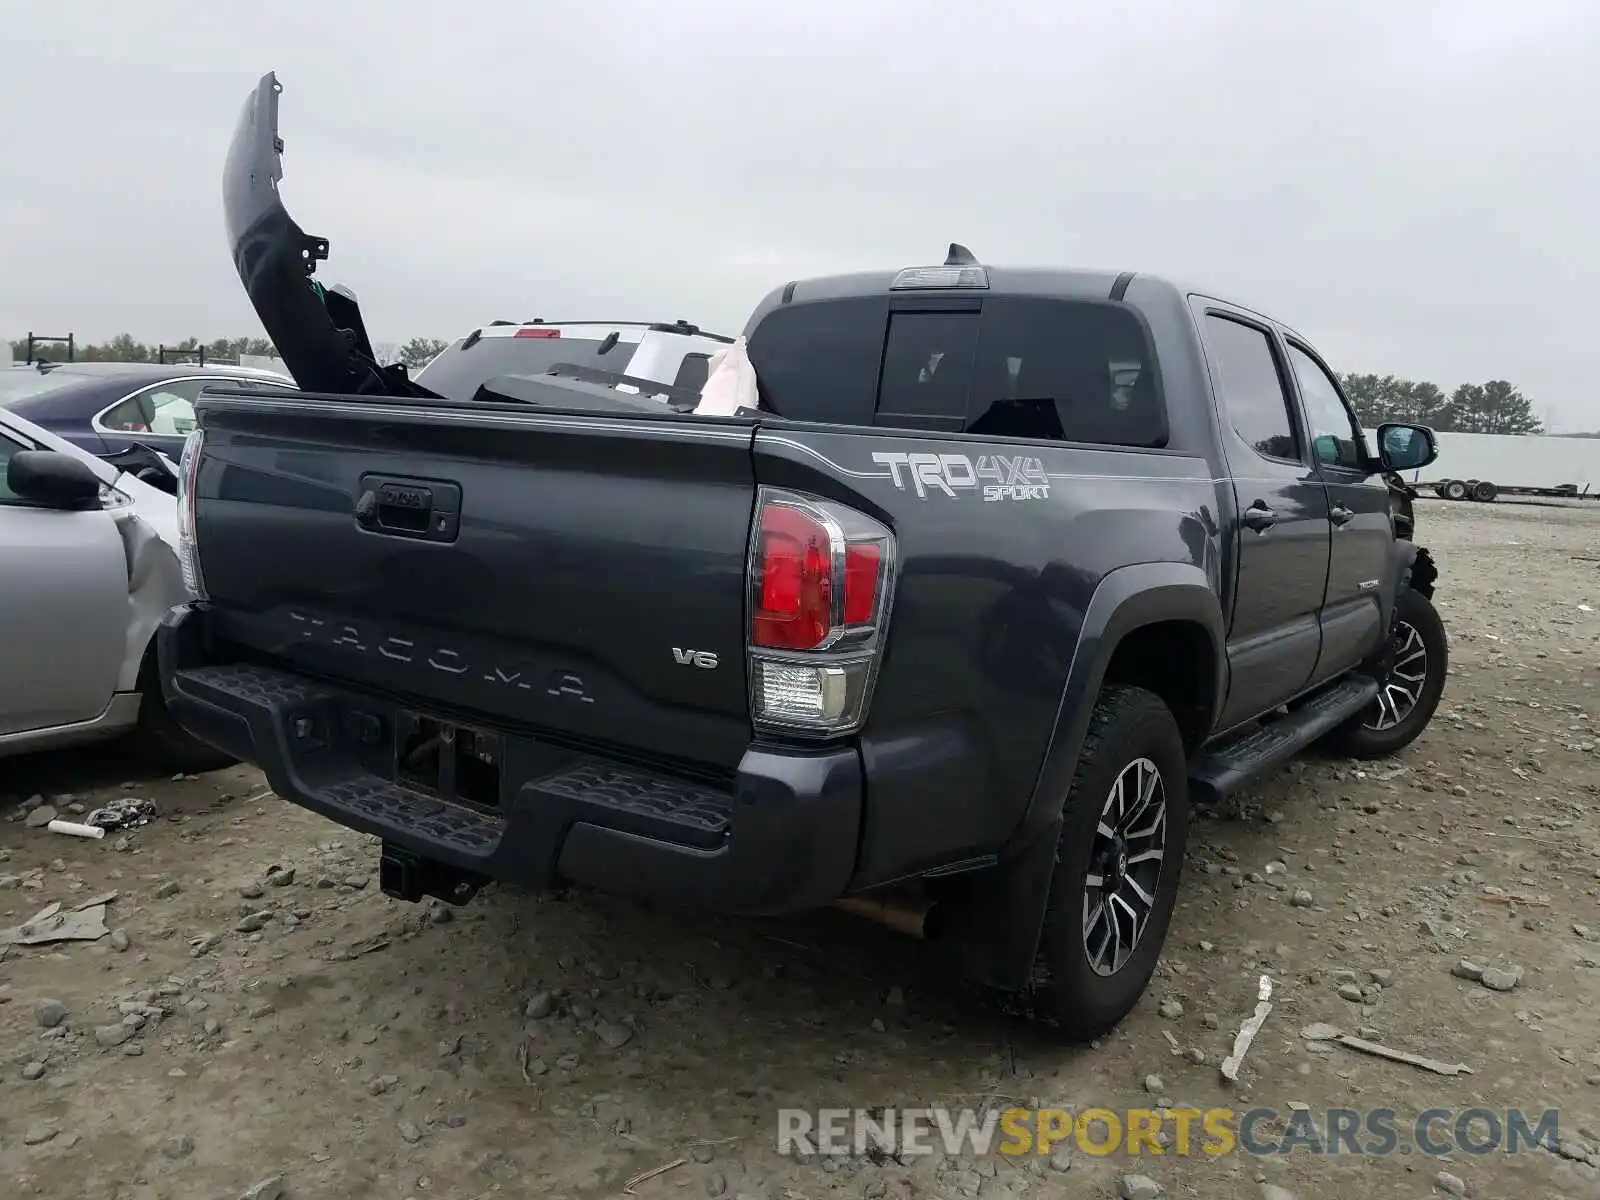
(261, 1021)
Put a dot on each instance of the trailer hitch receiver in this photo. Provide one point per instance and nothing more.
(406, 875)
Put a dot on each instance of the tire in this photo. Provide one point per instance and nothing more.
(161, 741)
(1485, 492)
(1130, 733)
(1374, 733)
(1454, 489)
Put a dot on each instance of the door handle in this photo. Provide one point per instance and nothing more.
(1340, 515)
(1259, 517)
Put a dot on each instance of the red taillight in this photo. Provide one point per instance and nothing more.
(821, 586)
(794, 564)
(537, 332)
(861, 563)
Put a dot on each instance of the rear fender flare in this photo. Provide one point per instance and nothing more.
(1127, 599)
(995, 931)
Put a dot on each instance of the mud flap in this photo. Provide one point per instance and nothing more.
(993, 931)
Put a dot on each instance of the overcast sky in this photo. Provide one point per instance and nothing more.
(1415, 185)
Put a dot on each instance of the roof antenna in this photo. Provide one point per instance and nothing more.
(959, 256)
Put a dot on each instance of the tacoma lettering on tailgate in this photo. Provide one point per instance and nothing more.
(372, 642)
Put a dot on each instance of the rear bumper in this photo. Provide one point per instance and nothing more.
(782, 838)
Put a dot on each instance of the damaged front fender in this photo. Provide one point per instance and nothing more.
(1418, 570)
(148, 529)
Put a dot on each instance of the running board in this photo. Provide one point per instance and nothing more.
(1242, 760)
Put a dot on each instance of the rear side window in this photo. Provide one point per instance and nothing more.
(1246, 375)
(167, 408)
(1029, 367)
(457, 373)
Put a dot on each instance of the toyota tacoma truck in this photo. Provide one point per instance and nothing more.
(1009, 570)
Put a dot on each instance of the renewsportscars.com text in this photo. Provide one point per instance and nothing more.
(1177, 1132)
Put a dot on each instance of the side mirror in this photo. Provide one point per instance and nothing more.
(52, 479)
(1406, 447)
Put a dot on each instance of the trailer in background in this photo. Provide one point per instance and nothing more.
(1485, 466)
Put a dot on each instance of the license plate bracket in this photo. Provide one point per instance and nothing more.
(458, 763)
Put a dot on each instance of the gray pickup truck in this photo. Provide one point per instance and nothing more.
(1010, 569)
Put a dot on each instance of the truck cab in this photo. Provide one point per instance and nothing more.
(1009, 567)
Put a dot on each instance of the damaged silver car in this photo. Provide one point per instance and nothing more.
(87, 570)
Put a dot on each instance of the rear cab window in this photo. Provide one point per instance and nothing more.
(1009, 366)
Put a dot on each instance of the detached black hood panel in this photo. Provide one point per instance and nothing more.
(317, 330)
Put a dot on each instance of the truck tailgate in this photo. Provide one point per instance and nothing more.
(577, 575)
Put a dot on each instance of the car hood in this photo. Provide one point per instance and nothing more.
(318, 330)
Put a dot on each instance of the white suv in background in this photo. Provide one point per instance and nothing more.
(673, 355)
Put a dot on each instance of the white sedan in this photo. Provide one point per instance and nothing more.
(90, 568)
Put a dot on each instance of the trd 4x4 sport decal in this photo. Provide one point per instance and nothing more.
(996, 476)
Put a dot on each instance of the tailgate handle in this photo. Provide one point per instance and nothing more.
(426, 509)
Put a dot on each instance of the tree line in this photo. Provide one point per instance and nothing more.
(1493, 407)
(125, 348)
